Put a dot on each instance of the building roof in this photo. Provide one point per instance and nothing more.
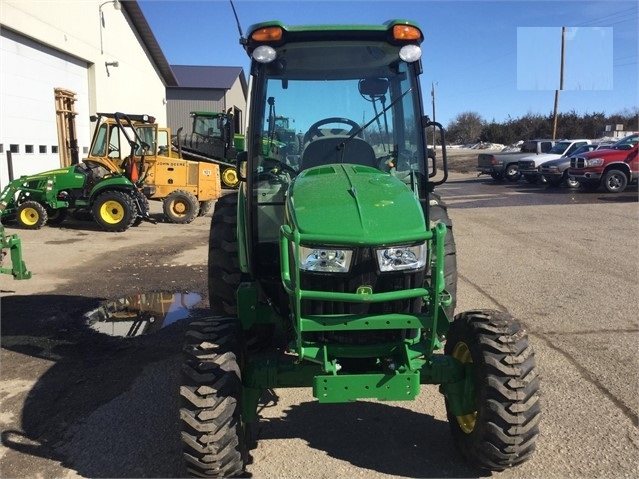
(214, 77)
(148, 39)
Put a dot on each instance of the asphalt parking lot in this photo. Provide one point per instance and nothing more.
(76, 402)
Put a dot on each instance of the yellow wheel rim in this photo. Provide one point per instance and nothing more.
(112, 212)
(29, 216)
(461, 352)
(229, 177)
(179, 208)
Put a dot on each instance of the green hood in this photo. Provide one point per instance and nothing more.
(351, 204)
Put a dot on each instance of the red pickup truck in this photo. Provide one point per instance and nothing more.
(614, 168)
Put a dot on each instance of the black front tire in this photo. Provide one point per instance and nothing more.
(511, 173)
(615, 181)
(181, 207)
(213, 433)
(439, 213)
(502, 431)
(31, 215)
(224, 267)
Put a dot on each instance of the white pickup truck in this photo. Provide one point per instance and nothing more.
(529, 165)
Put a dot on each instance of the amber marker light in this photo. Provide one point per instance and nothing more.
(406, 32)
(268, 34)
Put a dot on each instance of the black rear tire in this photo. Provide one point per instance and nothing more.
(180, 207)
(502, 431)
(114, 210)
(205, 207)
(213, 433)
(230, 178)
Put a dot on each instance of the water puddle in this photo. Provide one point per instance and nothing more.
(144, 313)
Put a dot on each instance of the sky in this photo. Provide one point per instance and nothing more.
(500, 59)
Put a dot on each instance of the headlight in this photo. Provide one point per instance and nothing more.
(410, 53)
(399, 258)
(594, 162)
(264, 54)
(325, 260)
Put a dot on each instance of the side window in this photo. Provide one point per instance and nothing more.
(546, 146)
(114, 142)
(100, 145)
(163, 143)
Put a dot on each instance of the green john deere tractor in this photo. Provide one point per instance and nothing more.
(338, 273)
(94, 185)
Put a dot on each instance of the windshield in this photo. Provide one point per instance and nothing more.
(626, 143)
(560, 147)
(361, 114)
(207, 126)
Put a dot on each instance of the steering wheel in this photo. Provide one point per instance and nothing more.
(273, 166)
(314, 130)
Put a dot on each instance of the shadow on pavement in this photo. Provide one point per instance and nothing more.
(93, 409)
(373, 435)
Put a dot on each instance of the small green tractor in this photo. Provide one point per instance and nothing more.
(338, 272)
(94, 186)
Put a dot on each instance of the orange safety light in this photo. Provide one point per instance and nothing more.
(267, 34)
(406, 32)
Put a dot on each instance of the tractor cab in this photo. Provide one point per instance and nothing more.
(357, 102)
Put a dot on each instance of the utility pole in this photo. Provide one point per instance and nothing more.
(561, 81)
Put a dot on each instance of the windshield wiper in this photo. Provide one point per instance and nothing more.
(362, 128)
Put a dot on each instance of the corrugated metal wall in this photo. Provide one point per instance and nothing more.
(180, 102)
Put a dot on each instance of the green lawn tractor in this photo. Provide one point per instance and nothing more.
(338, 273)
(94, 186)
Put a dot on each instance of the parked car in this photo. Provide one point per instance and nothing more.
(529, 165)
(503, 166)
(613, 168)
(555, 172)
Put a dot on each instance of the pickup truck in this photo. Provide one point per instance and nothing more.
(614, 168)
(555, 172)
(529, 165)
(504, 166)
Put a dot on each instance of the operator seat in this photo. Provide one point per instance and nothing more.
(337, 149)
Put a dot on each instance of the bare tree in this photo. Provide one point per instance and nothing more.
(466, 127)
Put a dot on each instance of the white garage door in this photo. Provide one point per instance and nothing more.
(29, 72)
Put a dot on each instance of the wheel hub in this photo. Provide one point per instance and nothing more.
(466, 422)
(112, 212)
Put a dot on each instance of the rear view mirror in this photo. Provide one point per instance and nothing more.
(373, 87)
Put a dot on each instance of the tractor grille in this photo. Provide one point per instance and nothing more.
(193, 173)
(363, 273)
